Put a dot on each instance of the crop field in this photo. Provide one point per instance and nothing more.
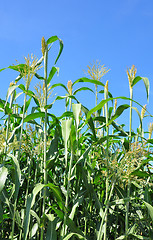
(80, 175)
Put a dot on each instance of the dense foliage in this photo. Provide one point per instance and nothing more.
(78, 176)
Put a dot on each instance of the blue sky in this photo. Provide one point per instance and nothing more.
(118, 33)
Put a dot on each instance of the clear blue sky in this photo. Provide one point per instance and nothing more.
(119, 33)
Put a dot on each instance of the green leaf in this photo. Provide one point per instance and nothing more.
(89, 120)
(52, 73)
(53, 39)
(35, 191)
(146, 83)
(118, 112)
(74, 234)
(10, 91)
(27, 104)
(82, 158)
(27, 217)
(56, 191)
(39, 77)
(121, 201)
(150, 209)
(8, 110)
(22, 68)
(34, 230)
(84, 79)
(121, 237)
(51, 229)
(139, 173)
(109, 94)
(2, 104)
(34, 214)
(59, 213)
(17, 175)
(34, 116)
(139, 237)
(61, 85)
(3, 176)
(12, 133)
(2, 69)
(66, 114)
(22, 87)
(52, 149)
(119, 128)
(82, 88)
(73, 227)
(150, 141)
(103, 102)
(139, 115)
(77, 203)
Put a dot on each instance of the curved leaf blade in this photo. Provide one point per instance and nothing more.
(84, 79)
(146, 83)
(53, 39)
(52, 73)
(150, 209)
(3, 176)
(82, 88)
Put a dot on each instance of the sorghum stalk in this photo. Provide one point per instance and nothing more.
(131, 75)
(45, 54)
(19, 154)
(96, 104)
(100, 232)
(107, 148)
(130, 126)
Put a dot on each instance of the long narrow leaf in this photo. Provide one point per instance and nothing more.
(53, 39)
(146, 83)
(150, 209)
(74, 234)
(17, 175)
(84, 79)
(3, 176)
(51, 229)
(103, 102)
(52, 73)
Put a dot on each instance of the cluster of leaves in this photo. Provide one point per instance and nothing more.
(77, 176)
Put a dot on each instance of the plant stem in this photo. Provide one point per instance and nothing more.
(130, 127)
(107, 155)
(22, 124)
(45, 135)
(96, 104)
(127, 209)
(100, 233)
(129, 184)
(13, 223)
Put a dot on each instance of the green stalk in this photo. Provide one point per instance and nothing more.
(130, 127)
(68, 191)
(13, 223)
(100, 233)
(127, 210)
(130, 139)
(107, 155)
(45, 134)
(19, 154)
(22, 124)
(96, 104)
